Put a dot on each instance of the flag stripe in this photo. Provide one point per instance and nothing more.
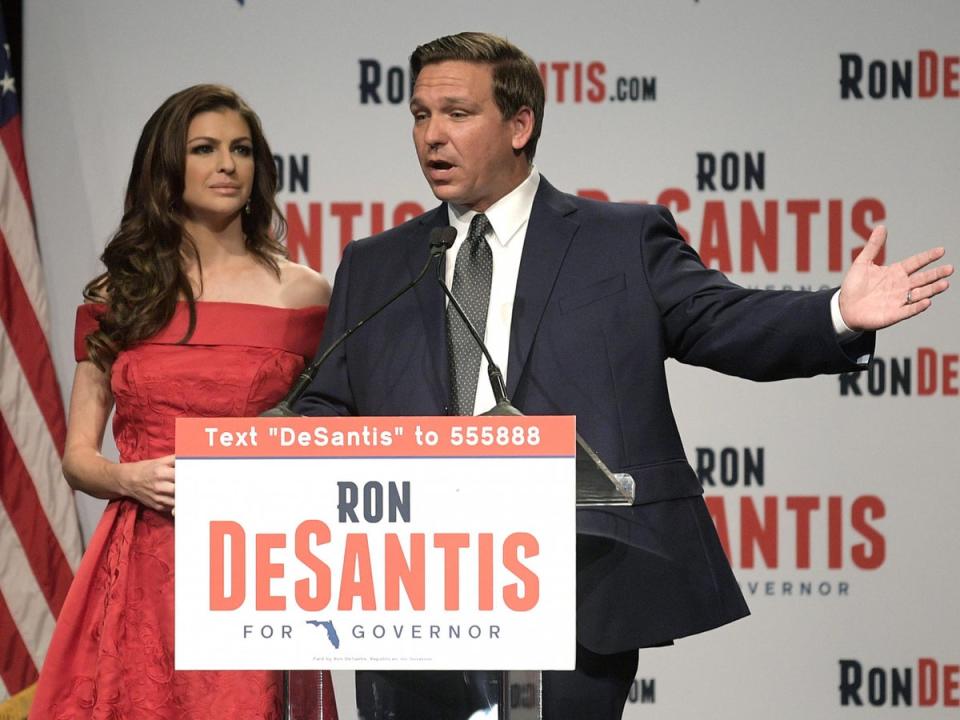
(43, 551)
(16, 666)
(16, 224)
(11, 137)
(23, 600)
(30, 448)
(28, 341)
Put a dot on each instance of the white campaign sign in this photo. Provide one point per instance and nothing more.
(361, 562)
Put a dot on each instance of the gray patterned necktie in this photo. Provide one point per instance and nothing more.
(472, 276)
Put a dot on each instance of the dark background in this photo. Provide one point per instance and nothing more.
(13, 21)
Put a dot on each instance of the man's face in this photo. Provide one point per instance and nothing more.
(465, 146)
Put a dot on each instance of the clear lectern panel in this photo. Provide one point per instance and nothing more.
(448, 695)
(426, 695)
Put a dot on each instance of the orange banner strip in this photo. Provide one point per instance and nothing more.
(464, 436)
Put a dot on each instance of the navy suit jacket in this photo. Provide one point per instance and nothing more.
(606, 293)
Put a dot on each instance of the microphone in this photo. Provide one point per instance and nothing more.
(440, 240)
(503, 405)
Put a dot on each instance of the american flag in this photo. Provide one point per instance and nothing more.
(39, 536)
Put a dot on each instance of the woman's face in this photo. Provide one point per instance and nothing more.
(218, 177)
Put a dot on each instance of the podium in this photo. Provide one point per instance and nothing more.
(403, 548)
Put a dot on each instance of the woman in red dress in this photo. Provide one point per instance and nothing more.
(199, 313)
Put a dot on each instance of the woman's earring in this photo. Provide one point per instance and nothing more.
(246, 208)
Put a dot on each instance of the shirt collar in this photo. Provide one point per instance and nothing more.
(507, 215)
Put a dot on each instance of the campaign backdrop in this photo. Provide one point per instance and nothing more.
(778, 133)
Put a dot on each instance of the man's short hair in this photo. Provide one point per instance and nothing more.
(516, 80)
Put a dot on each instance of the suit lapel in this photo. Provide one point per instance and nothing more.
(432, 305)
(549, 233)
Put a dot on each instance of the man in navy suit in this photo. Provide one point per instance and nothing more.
(585, 303)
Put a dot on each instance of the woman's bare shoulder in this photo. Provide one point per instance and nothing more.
(302, 286)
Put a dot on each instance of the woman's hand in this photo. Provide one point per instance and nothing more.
(149, 482)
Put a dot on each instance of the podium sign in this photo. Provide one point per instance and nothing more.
(422, 543)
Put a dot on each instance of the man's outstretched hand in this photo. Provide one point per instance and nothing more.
(877, 296)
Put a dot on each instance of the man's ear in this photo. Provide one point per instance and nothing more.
(522, 127)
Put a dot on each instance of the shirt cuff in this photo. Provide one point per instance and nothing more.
(843, 332)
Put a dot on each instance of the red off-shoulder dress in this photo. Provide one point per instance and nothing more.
(111, 656)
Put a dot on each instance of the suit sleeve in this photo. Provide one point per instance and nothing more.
(754, 334)
(330, 392)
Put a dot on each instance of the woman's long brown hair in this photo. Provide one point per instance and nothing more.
(144, 275)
